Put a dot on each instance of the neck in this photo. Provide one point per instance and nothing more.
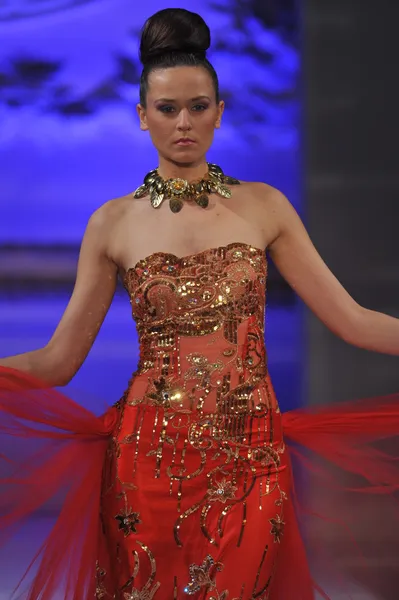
(188, 171)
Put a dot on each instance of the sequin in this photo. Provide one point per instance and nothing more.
(197, 459)
(221, 491)
(202, 576)
(165, 393)
(277, 528)
(101, 591)
(128, 521)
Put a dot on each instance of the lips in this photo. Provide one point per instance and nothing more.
(185, 142)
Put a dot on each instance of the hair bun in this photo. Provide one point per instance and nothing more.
(174, 30)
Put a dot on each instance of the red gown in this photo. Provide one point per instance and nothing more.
(194, 484)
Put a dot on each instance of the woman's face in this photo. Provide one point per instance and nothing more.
(181, 113)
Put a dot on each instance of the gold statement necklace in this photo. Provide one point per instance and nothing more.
(178, 190)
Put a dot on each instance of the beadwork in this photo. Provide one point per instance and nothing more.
(199, 426)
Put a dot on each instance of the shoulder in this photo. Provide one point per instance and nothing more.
(102, 222)
(105, 216)
(270, 207)
(266, 199)
(264, 192)
(111, 210)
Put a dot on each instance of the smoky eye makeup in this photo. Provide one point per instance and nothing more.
(168, 108)
(167, 105)
(199, 108)
(165, 108)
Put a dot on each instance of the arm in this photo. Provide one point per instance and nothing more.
(95, 285)
(302, 267)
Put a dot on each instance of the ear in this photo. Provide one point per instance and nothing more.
(219, 114)
(143, 117)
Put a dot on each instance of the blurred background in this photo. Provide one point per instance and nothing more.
(70, 140)
(311, 108)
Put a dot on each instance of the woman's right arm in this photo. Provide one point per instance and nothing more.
(61, 358)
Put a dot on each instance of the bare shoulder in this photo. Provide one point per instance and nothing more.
(268, 206)
(103, 222)
(106, 218)
(264, 194)
(271, 200)
(111, 211)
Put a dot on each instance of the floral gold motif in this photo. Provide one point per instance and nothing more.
(203, 576)
(197, 458)
(222, 491)
(277, 528)
(128, 521)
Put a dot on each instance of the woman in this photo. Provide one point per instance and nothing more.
(189, 471)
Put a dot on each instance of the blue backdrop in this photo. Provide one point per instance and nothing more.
(69, 136)
(70, 140)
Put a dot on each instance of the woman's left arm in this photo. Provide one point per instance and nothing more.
(302, 267)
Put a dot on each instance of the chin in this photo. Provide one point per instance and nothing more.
(186, 156)
(189, 150)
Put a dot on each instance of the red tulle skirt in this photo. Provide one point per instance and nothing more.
(341, 513)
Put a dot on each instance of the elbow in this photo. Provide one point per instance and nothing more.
(61, 380)
(57, 371)
(354, 329)
(55, 378)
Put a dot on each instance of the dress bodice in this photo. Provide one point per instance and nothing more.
(200, 321)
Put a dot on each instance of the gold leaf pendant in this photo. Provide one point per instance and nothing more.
(224, 191)
(141, 191)
(177, 190)
(156, 198)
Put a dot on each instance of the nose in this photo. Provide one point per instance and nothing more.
(184, 121)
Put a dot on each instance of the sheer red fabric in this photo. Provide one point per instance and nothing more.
(52, 452)
(341, 527)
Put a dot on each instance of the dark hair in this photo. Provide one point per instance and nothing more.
(174, 37)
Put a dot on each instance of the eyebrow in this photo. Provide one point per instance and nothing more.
(174, 100)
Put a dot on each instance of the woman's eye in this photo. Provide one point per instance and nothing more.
(167, 109)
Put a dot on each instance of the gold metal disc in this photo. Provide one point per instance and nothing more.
(175, 204)
(202, 200)
(178, 190)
